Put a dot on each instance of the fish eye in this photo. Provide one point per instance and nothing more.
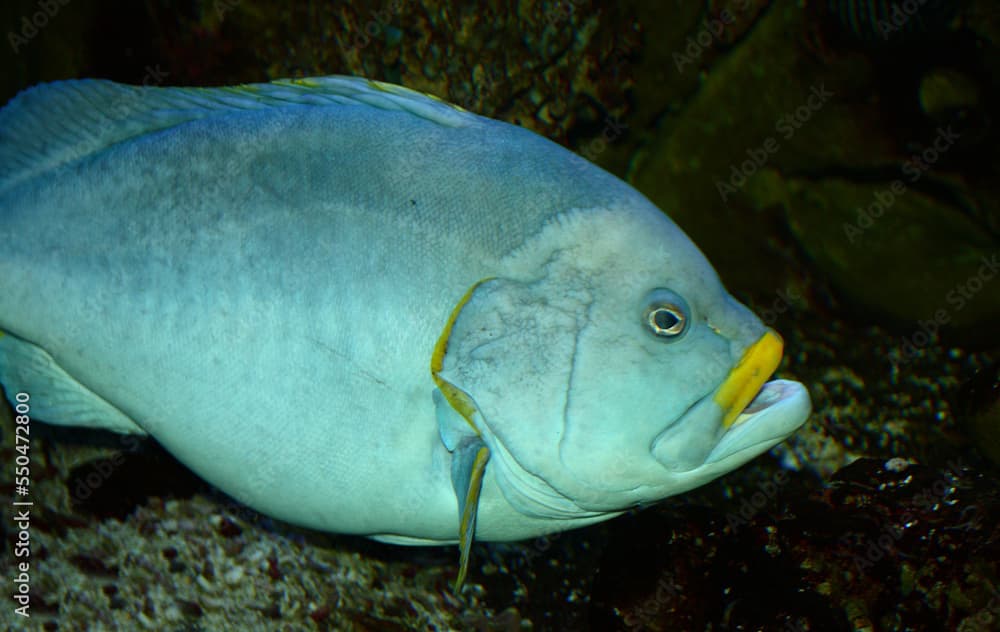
(666, 315)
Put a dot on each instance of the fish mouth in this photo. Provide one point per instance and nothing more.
(758, 412)
(746, 380)
(768, 395)
(743, 417)
(777, 410)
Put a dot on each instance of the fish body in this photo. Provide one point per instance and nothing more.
(362, 310)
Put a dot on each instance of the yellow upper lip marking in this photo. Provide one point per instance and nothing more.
(748, 376)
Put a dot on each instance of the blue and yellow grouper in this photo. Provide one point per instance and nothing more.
(360, 309)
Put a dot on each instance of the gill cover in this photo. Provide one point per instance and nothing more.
(503, 363)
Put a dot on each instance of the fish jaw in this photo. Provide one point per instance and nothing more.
(699, 446)
(742, 418)
(778, 410)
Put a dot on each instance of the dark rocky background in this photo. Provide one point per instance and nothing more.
(842, 177)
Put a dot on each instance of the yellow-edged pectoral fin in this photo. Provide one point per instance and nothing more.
(467, 468)
(458, 400)
(470, 456)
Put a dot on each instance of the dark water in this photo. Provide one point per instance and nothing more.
(837, 163)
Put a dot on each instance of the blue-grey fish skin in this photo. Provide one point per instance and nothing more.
(262, 289)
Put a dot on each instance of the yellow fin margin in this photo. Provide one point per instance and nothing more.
(458, 400)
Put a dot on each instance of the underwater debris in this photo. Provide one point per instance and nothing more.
(895, 544)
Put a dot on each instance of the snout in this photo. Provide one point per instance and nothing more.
(742, 415)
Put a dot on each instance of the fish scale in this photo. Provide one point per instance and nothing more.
(359, 309)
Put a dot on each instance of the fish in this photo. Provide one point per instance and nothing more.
(360, 309)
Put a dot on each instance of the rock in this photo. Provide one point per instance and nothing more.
(979, 409)
(891, 246)
(892, 205)
(762, 105)
(943, 90)
(888, 544)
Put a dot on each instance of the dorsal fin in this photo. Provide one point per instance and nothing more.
(56, 123)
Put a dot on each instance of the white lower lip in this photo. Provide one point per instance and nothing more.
(769, 394)
(698, 438)
(781, 407)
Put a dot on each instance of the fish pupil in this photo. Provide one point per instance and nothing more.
(666, 321)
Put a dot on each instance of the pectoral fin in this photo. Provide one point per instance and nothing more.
(56, 397)
(467, 467)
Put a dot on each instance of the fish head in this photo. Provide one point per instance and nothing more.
(609, 368)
